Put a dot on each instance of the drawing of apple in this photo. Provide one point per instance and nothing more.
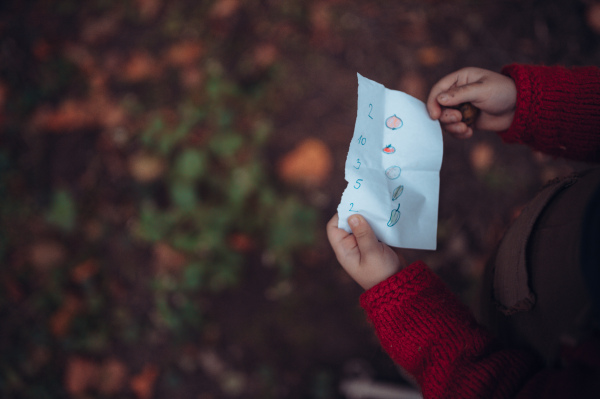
(389, 149)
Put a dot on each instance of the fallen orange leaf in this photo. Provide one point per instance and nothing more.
(113, 374)
(224, 8)
(142, 384)
(240, 242)
(60, 321)
(140, 66)
(482, 157)
(184, 53)
(265, 55)
(148, 8)
(309, 164)
(146, 167)
(46, 254)
(84, 271)
(80, 375)
(430, 56)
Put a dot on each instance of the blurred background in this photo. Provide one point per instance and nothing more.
(167, 169)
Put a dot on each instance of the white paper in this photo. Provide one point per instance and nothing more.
(392, 168)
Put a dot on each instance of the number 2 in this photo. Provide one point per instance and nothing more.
(352, 206)
(371, 110)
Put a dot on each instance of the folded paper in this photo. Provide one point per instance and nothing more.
(392, 168)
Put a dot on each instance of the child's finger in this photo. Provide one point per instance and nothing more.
(450, 115)
(459, 130)
(456, 95)
(442, 86)
(342, 242)
(335, 234)
(365, 237)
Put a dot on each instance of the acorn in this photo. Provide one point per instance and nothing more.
(469, 113)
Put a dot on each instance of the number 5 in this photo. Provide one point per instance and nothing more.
(358, 182)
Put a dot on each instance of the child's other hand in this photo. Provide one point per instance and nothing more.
(493, 93)
(364, 258)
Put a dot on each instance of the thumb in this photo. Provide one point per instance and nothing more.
(456, 95)
(365, 237)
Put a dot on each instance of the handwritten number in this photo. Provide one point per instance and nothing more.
(352, 206)
(358, 162)
(370, 106)
(362, 140)
(358, 182)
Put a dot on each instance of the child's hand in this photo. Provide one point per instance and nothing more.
(364, 258)
(493, 93)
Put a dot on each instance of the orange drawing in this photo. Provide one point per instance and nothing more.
(393, 122)
(389, 149)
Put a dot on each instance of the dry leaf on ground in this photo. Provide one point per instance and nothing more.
(148, 8)
(142, 384)
(112, 376)
(60, 321)
(146, 167)
(482, 157)
(46, 254)
(80, 375)
(84, 271)
(310, 163)
(430, 56)
(265, 55)
(184, 53)
(224, 8)
(140, 66)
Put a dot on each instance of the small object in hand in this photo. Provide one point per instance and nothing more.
(469, 113)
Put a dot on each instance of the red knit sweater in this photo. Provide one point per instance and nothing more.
(424, 327)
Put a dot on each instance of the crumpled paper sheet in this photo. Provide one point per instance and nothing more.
(392, 168)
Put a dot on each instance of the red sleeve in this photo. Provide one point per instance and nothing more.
(558, 110)
(427, 331)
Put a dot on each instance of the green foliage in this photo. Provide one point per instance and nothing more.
(62, 212)
(81, 274)
(215, 190)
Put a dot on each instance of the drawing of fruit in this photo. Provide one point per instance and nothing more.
(393, 122)
(389, 149)
(394, 217)
(393, 172)
(397, 192)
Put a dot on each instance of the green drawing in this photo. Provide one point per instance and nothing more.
(394, 217)
(397, 192)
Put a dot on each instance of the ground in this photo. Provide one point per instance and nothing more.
(167, 170)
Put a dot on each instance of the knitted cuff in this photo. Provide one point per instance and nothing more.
(557, 110)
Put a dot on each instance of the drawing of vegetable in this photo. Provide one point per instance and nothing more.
(389, 149)
(394, 217)
(393, 122)
(393, 172)
(397, 192)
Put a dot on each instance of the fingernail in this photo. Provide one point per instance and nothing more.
(354, 221)
(443, 97)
